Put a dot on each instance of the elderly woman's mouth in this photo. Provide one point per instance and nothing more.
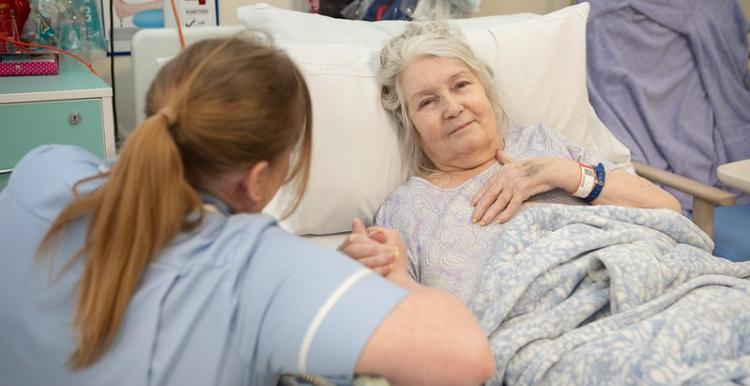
(459, 128)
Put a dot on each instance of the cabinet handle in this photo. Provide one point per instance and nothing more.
(6, 171)
(74, 118)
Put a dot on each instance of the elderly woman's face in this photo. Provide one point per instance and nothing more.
(450, 110)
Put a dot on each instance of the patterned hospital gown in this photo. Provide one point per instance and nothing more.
(446, 250)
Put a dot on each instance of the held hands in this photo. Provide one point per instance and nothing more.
(380, 249)
(503, 195)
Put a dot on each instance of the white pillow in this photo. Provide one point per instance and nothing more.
(295, 27)
(540, 71)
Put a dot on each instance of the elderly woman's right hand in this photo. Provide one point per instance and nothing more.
(516, 181)
(380, 249)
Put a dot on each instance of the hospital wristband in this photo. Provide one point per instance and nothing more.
(586, 182)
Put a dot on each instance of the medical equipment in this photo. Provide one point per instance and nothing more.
(72, 25)
(13, 16)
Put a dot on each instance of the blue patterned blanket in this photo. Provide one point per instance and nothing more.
(612, 295)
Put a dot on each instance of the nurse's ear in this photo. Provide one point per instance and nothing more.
(254, 186)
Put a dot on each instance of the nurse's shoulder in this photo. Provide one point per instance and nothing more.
(43, 180)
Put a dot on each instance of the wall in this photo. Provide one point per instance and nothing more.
(498, 7)
(123, 88)
(124, 99)
(228, 8)
(227, 15)
(495, 7)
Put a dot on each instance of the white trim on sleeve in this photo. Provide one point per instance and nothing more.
(312, 329)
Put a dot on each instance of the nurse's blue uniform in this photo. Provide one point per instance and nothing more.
(236, 301)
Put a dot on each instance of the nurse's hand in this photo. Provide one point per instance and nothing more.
(372, 252)
(516, 181)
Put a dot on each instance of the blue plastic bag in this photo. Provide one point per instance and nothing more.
(71, 25)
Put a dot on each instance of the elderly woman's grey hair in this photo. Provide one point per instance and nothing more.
(420, 39)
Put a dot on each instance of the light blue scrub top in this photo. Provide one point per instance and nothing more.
(237, 301)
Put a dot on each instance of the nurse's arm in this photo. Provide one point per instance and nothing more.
(430, 338)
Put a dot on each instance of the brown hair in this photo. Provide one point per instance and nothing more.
(236, 101)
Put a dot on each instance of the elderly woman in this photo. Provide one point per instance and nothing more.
(604, 294)
(467, 170)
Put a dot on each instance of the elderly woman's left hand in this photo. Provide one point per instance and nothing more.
(378, 248)
(503, 195)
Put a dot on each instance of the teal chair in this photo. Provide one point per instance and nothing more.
(732, 232)
(732, 223)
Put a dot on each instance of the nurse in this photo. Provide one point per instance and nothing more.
(160, 270)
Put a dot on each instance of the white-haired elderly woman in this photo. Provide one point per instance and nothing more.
(469, 173)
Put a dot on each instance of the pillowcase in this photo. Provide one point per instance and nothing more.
(540, 73)
(296, 27)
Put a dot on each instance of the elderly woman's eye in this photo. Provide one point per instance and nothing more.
(462, 83)
(424, 103)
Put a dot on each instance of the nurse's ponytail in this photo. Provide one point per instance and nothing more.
(221, 105)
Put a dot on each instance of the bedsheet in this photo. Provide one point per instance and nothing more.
(613, 295)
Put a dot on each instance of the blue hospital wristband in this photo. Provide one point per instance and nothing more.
(598, 184)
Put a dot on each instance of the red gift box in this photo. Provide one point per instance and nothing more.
(29, 64)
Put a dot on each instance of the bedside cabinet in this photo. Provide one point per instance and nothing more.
(73, 107)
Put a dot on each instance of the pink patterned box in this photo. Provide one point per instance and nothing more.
(29, 64)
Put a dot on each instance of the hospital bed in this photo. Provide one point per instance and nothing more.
(356, 159)
(540, 69)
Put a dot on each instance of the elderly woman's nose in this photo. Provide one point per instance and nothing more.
(452, 106)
